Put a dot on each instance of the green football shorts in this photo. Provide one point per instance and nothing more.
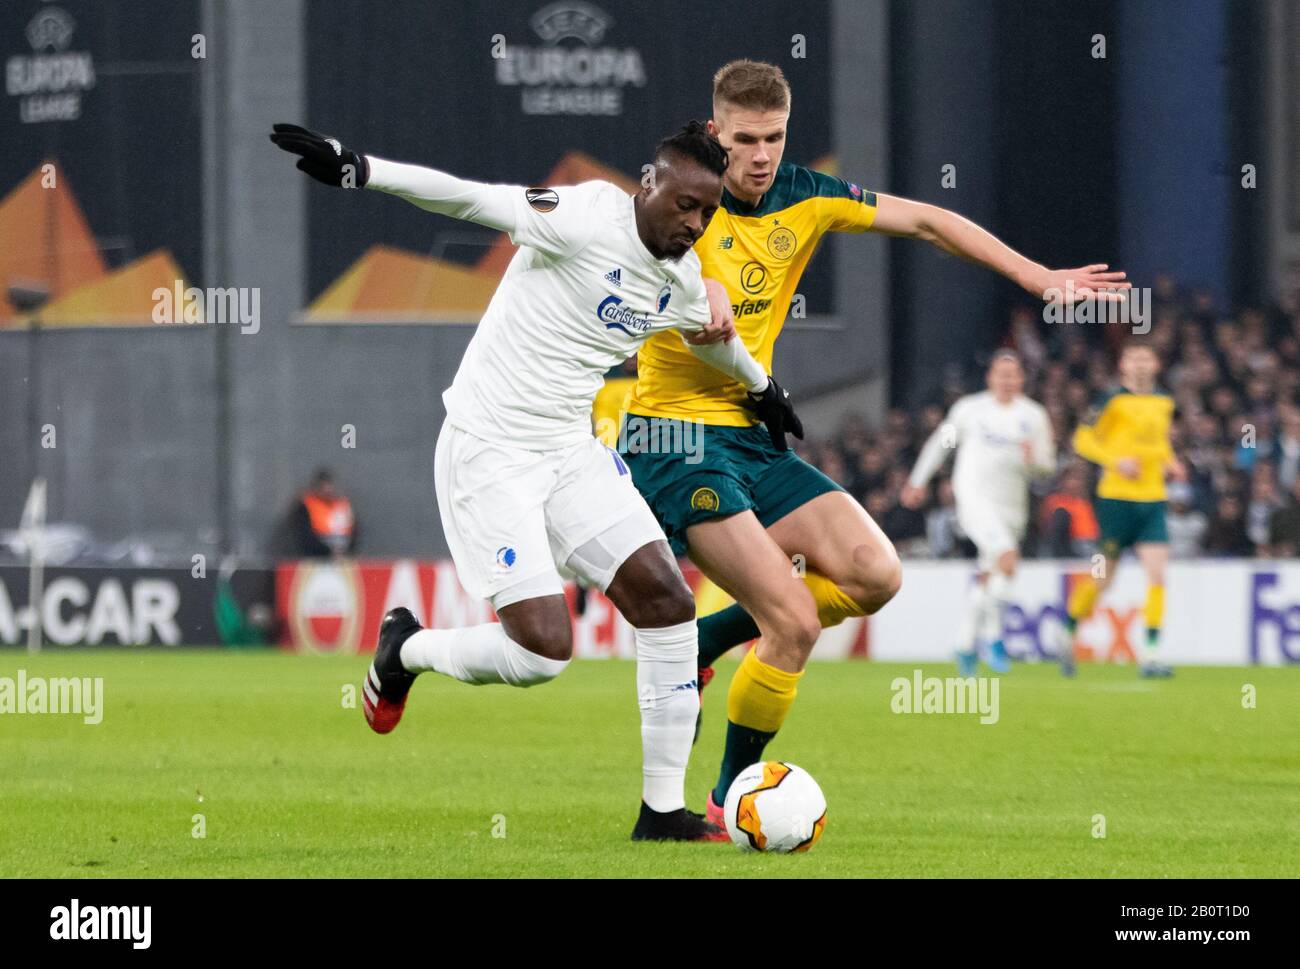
(689, 472)
(1125, 523)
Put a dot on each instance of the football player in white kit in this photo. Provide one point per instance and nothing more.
(1002, 439)
(526, 494)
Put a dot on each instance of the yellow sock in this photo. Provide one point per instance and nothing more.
(709, 598)
(1082, 598)
(760, 695)
(834, 605)
(1154, 614)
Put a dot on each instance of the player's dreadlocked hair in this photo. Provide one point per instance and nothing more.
(695, 142)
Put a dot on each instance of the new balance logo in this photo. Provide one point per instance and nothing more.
(725, 242)
(615, 276)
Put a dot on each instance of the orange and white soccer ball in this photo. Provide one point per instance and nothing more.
(775, 806)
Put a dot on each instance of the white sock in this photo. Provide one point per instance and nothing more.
(478, 655)
(670, 700)
(997, 593)
(972, 624)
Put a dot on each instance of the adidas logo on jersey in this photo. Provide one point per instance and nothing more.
(615, 276)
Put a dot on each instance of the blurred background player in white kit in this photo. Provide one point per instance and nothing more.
(1002, 440)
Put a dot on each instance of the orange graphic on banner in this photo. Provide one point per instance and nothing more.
(124, 297)
(45, 241)
(1120, 650)
(387, 285)
(47, 246)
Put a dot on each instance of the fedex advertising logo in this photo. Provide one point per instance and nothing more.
(1214, 613)
(1274, 617)
(1107, 636)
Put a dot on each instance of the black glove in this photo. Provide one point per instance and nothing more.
(324, 159)
(774, 409)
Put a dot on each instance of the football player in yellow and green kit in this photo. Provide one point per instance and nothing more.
(1127, 434)
(742, 505)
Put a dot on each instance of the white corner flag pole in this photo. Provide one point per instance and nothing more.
(32, 529)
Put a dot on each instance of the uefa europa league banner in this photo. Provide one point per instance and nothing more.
(107, 92)
(532, 91)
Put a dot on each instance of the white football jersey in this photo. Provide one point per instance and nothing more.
(990, 465)
(579, 297)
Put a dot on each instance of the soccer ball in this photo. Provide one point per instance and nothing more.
(775, 806)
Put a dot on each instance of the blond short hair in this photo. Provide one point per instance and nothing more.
(754, 85)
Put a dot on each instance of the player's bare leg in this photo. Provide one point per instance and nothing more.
(840, 541)
(1154, 557)
(741, 556)
(849, 564)
(648, 589)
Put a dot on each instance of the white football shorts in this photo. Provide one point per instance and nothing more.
(519, 522)
(993, 528)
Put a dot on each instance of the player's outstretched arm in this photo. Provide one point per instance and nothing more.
(961, 237)
(934, 453)
(522, 212)
(1090, 441)
(1042, 448)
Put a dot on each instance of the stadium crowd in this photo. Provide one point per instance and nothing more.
(1235, 378)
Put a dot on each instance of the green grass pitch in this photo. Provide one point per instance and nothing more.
(292, 783)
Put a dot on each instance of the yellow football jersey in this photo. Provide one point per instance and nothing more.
(1129, 425)
(608, 407)
(758, 252)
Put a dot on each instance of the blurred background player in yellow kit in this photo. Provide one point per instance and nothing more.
(1127, 435)
(750, 505)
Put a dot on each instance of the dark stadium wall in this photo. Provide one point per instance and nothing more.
(944, 86)
(133, 446)
(1177, 181)
(120, 118)
(271, 436)
(1132, 159)
(1248, 113)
